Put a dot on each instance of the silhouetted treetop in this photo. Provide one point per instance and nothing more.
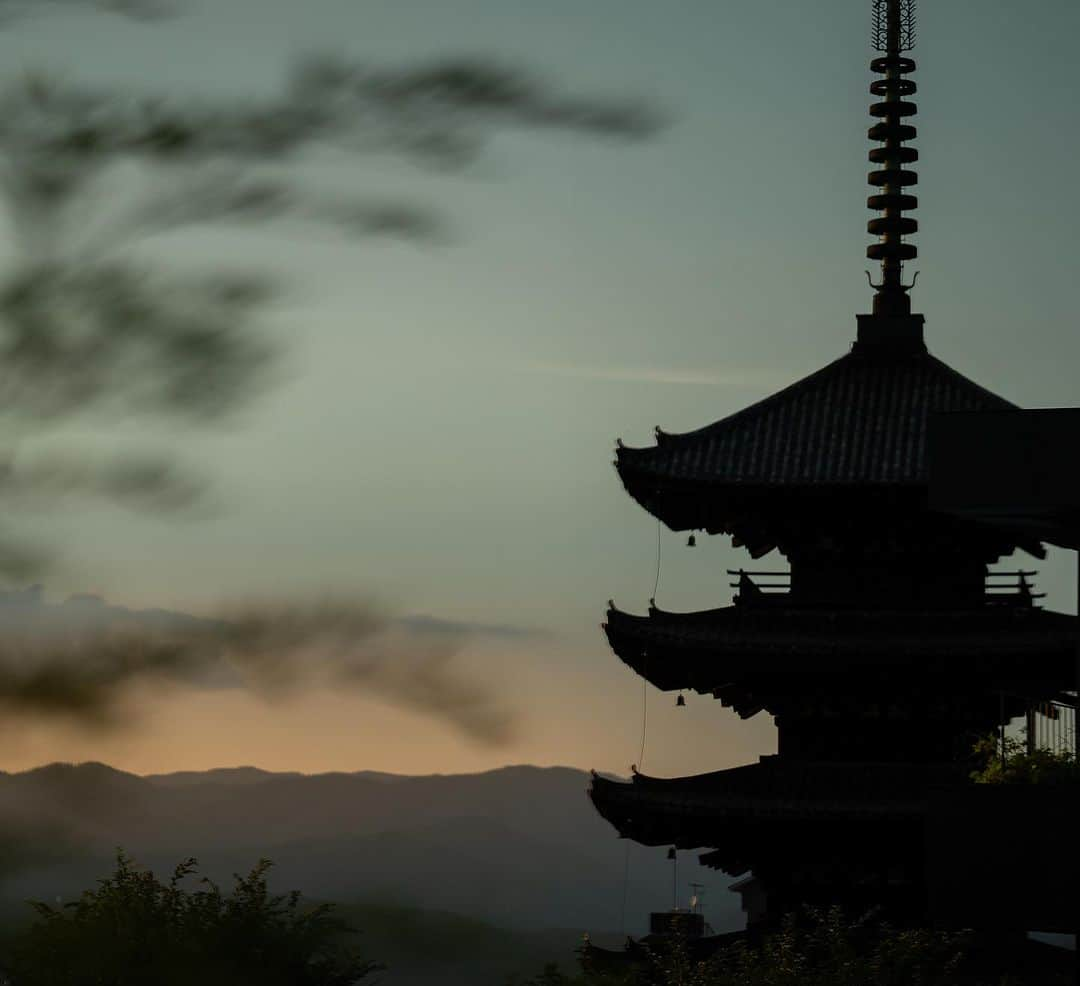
(134, 928)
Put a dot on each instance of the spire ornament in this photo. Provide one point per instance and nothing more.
(893, 33)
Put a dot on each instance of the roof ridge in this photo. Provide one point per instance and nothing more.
(968, 382)
(862, 418)
(870, 358)
(664, 436)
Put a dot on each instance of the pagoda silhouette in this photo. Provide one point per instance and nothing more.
(889, 646)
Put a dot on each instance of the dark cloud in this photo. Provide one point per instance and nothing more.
(504, 631)
(79, 660)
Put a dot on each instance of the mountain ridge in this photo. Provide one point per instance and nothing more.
(210, 772)
(519, 845)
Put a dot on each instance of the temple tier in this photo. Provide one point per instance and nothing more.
(886, 648)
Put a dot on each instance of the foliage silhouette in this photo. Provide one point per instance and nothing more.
(90, 326)
(826, 948)
(84, 323)
(135, 930)
(13, 10)
(1013, 764)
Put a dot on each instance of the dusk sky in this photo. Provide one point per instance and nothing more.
(441, 440)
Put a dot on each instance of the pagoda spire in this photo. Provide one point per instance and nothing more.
(893, 34)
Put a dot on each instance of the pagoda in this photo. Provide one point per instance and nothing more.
(887, 646)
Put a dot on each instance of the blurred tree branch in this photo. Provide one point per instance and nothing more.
(145, 10)
(89, 326)
(80, 329)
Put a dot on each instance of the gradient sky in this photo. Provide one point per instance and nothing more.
(444, 439)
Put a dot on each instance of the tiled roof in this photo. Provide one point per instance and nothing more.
(708, 649)
(860, 420)
(691, 811)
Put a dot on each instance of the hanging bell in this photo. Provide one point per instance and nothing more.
(691, 542)
(680, 702)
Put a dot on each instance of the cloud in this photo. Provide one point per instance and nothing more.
(506, 631)
(79, 660)
(681, 376)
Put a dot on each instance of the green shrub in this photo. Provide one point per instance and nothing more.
(819, 948)
(1015, 765)
(826, 948)
(134, 930)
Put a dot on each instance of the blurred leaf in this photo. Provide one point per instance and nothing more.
(86, 328)
(20, 562)
(118, 338)
(146, 482)
(144, 10)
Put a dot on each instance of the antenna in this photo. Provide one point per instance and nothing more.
(892, 32)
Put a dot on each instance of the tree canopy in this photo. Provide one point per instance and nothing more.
(136, 930)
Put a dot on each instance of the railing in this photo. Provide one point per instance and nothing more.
(1006, 588)
(748, 586)
(1011, 588)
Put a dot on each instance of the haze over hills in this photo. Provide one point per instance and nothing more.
(520, 847)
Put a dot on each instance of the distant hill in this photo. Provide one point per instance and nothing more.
(235, 776)
(519, 847)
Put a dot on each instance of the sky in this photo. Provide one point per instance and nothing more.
(442, 439)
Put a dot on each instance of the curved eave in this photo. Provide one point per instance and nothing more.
(761, 516)
(742, 508)
(757, 513)
(859, 423)
(704, 811)
(634, 642)
(716, 650)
